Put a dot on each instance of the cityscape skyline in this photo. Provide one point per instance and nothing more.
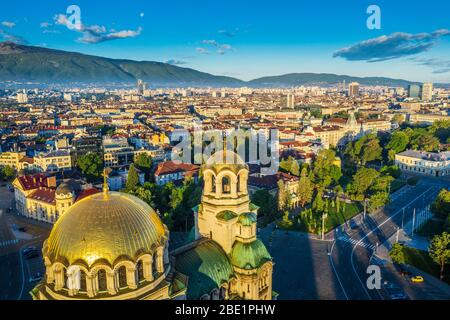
(304, 38)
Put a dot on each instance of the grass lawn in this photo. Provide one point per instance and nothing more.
(334, 219)
(421, 260)
(397, 184)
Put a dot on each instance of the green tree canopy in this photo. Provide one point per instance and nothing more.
(305, 188)
(396, 253)
(91, 165)
(132, 179)
(441, 205)
(144, 162)
(439, 250)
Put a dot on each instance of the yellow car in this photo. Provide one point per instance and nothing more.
(417, 279)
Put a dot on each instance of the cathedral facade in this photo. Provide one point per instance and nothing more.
(111, 245)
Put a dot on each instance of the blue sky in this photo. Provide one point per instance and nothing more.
(248, 39)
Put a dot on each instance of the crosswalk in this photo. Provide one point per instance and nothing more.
(355, 242)
(8, 242)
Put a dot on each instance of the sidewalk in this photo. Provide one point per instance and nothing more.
(416, 242)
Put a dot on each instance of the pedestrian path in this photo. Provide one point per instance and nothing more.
(8, 242)
(355, 242)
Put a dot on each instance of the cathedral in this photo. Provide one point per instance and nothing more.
(112, 245)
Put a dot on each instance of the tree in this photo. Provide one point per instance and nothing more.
(397, 143)
(305, 189)
(362, 181)
(8, 173)
(282, 195)
(144, 194)
(324, 168)
(290, 165)
(397, 255)
(364, 150)
(144, 162)
(398, 118)
(441, 205)
(439, 250)
(91, 165)
(132, 179)
(266, 203)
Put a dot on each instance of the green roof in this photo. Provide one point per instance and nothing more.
(247, 219)
(207, 267)
(253, 206)
(226, 215)
(249, 255)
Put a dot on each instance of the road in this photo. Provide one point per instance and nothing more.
(15, 271)
(350, 254)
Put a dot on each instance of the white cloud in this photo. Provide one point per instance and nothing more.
(8, 24)
(393, 46)
(95, 33)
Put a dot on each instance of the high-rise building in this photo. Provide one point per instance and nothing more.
(22, 97)
(426, 91)
(140, 86)
(290, 103)
(413, 91)
(353, 89)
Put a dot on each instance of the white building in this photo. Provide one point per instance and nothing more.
(429, 163)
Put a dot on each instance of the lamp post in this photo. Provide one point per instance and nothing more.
(324, 215)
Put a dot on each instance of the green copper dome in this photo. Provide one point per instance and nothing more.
(247, 219)
(207, 267)
(249, 255)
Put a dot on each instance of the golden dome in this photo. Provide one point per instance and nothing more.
(105, 226)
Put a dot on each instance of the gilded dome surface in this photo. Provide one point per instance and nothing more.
(105, 227)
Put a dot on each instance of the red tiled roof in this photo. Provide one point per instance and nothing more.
(86, 193)
(43, 194)
(30, 182)
(169, 167)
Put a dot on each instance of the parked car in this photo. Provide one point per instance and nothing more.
(417, 279)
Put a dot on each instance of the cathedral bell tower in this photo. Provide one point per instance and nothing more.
(227, 217)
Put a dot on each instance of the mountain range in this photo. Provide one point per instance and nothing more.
(25, 64)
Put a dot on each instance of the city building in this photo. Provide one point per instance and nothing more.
(22, 97)
(426, 91)
(169, 171)
(429, 163)
(59, 160)
(112, 245)
(290, 101)
(38, 196)
(413, 91)
(11, 159)
(353, 89)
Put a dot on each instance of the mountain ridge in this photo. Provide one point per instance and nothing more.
(50, 66)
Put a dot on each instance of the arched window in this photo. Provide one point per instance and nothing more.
(139, 271)
(101, 276)
(82, 282)
(226, 186)
(122, 277)
(155, 264)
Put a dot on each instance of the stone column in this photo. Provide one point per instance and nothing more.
(148, 270)
(159, 261)
(110, 282)
(131, 278)
(59, 279)
(90, 289)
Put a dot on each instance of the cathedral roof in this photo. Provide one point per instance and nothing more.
(105, 227)
(206, 265)
(249, 255)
